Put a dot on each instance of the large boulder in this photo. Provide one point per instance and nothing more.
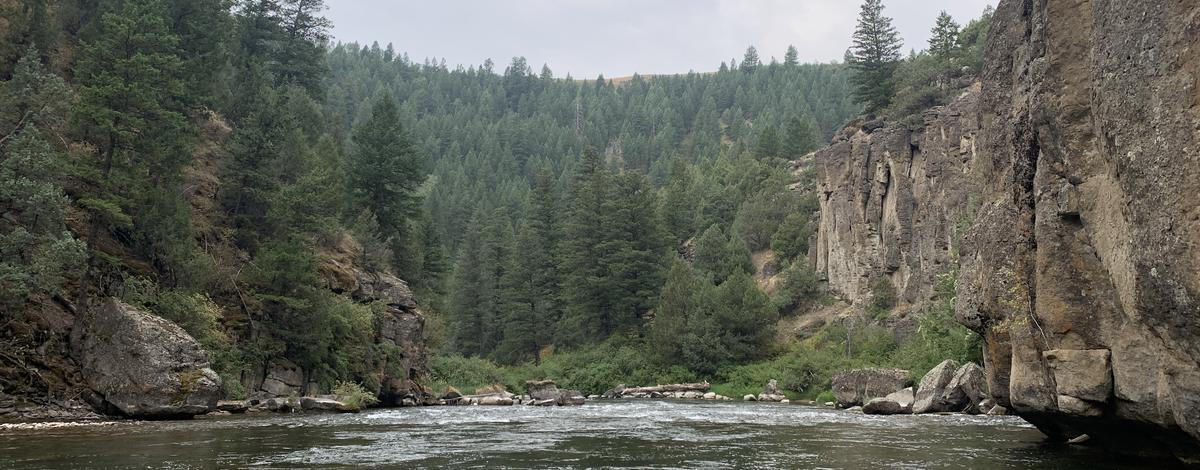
(284, 378)
(932, 388)
(896, 403)
(542, 391)
(858, 386)
(966, 390)
(142, 366)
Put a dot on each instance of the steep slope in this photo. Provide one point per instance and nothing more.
(1082, 271)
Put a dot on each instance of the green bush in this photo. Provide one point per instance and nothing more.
(354, 395)
(800, 288)
(826, 397)
(883, 296)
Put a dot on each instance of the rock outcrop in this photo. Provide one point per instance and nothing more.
(858, 386)
(891, 199)
(142, 366)
(1082, 269)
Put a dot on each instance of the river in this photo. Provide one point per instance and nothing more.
(644, 434)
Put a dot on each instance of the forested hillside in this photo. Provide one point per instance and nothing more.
(222, 165)
(557, 200)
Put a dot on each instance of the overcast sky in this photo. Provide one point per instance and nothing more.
(619, 37)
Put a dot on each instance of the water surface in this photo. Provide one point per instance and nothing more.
(644, 434)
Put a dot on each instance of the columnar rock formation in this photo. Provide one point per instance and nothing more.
(1083, 269)
(891, 202)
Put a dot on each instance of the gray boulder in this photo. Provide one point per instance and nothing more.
(966, 389)
(894, 404)
(323, 404)
(143, 366)
(858, 386)
(284, 378)
(933, 387)
(546, 390)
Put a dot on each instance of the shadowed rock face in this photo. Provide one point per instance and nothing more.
(1082, 270)
(143, 366)
(891, 201)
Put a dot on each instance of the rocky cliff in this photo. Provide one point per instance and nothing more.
(1068, 186)
(892, 200)
(1082, 270)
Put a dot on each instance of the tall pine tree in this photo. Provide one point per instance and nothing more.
(874, 56)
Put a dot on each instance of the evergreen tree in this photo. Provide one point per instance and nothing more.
(679, 206)
(875, 55)
(201, 26)
(301, 56)
(799, 138)
(769, 144)
(586, 290)
(132, 109)
(751, 62)
(383, 175)
(677, 303)
(719, 256)
(792, 57)
(36, 250)
(632, 252)
(944, 39)
(746, 318)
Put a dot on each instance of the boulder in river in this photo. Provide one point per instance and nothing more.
(143, 366)
(749, 398)
(966, 389)
(929, 398)
(856, 387)
(323, 404)
(896, 403)
(547, 390)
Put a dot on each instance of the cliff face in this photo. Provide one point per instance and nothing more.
(892, 200)
(1082, 270)
(1070, 185)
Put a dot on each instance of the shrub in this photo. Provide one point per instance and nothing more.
(826, 397)
(354, 395)
(883, 296)
(800, 288)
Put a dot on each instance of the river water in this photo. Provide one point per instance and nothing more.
(644, 434)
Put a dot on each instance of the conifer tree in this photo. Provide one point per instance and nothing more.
(383, 175)
(679, 205)
(799, 137)
(751, 62)
(132, 109)
(791, 57)
(944, 38)
(875, 54)
(586, 289)
(301, 56)
(677, 303)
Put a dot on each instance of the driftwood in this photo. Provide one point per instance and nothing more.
(697, 387)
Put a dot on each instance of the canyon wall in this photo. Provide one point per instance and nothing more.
(893, 201)
(1083, 268)
(1067, 187)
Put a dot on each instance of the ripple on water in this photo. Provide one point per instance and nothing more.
(647, 434)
